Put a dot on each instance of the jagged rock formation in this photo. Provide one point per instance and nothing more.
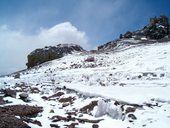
(40, 56)
(158, 30)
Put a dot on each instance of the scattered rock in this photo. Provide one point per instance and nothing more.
(10, 121)
(128, 35)
(67, 99)
(54, 126)
(70, 118)
(24, 97)
(52, 111)
(90, 59)
(140, 76)
(162, 75)
(132, 116)
(89, 107)
(58, 94)
(44, 97)
(9, 92)
(66, 104)
(28, 120)
(71, 113)
(34, 90)
(8, 117)
(2, 100)
(17, 76)
(21, 110)
(130, 109)
(95, 126)
(72, 125)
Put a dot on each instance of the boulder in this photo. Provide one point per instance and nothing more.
(17, 76)
(10, 93)
(128, 34)
(42, 55)
(24, 97)
(95, 126)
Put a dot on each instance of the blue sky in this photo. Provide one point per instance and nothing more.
(86, 22)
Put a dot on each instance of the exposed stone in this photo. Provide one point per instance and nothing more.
(24, 96)
(9, 92)
(10, 121)
(89, 107)
(158, 30)
(44, 97)
(8, 117)
(67, 119)
(17, 76)
(54, 126)
(28, 120)
(90, 59)
(128, 35)
(67, 99)
(130, 109)
(132, 116)
(52, 111)
(40, 56)
(58, 94)
(21, 110)
(72, 125)
(95, 126)
(2, 100)
(34, 90)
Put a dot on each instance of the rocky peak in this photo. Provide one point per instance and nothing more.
(157, 30)
(48, 53)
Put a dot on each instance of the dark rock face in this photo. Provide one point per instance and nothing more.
(10, 121)
(40, 56)
(8, 114)
(10, 93)
(128, 34)
(17, 76)
(158, 30)
(108, 45)
(24, 96)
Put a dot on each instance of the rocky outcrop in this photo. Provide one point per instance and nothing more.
(40, 56)
(158, 30)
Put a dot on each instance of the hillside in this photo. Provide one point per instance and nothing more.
(134, 79)
(122, 84)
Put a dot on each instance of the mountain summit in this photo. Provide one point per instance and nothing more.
(158, 30)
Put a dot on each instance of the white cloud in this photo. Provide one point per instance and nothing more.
(15, 45)
(63, 33)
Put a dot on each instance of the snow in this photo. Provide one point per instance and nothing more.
(109, 109)
(134, 75)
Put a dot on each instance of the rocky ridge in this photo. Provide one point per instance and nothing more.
(158, 30)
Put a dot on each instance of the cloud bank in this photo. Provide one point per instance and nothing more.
(16, 45)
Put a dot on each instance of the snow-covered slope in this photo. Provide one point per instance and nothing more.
(138, 77)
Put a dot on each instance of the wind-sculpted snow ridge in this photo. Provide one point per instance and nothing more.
(122, 89)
